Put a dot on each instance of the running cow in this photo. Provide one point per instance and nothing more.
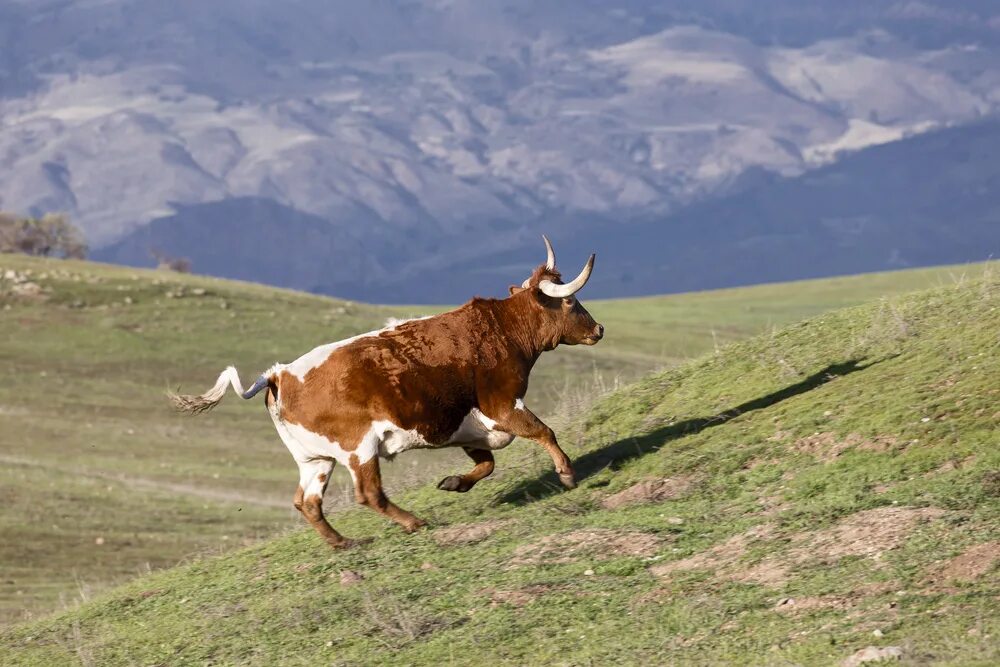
(453, 380)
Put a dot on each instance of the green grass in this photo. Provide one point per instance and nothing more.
(877, 421)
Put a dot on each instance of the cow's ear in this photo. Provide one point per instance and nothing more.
(514, 289)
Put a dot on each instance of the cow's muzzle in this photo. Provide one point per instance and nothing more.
(596, 336)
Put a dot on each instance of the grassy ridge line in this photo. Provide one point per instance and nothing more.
(100, 481)
(823, 483)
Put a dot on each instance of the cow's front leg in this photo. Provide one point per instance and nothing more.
(511, 416)
(483, 468)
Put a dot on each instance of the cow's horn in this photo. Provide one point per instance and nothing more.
(549, 288)
(550, 259)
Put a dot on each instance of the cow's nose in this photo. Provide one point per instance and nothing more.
(599, 330)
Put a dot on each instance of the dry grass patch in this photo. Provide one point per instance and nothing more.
(598, 543)
(649, 491)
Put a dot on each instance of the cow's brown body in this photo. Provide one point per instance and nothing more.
(453, 380)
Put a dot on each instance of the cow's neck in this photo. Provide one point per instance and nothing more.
(525, 328)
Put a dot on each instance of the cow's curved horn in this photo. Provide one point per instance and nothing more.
(550, 259)
(549, 288)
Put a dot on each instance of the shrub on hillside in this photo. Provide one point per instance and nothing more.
(51, 235)
(168, 263)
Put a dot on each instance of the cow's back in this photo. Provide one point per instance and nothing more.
(418, 375)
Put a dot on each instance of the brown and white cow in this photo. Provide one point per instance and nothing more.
(453, 380)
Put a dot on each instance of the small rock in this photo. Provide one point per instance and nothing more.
(877, 632)
(675, 520)
(99, 541)
(349, 578)
(873, 654)
(428, 566)
(198, 291)
(588, 573)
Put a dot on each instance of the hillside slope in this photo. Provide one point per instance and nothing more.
(792, 499)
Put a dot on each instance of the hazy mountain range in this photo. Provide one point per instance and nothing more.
(412, 151)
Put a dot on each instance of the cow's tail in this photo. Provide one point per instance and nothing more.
(212, 397)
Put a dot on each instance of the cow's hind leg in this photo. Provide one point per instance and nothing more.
(313, 478)
(483, 468)
(368, 491)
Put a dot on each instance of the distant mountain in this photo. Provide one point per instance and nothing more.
(927, 200)
(381, 143)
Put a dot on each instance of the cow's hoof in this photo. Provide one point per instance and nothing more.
(568, 480)
(453, 483)
(415, 525)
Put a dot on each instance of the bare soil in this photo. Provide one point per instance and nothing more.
(967, 567)
(598, 544)
(467, 533)
(828, 446)
(649, 491)
(868, 534)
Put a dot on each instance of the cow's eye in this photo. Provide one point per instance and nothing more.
(569, 301)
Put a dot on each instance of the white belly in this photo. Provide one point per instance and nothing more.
(475, 431)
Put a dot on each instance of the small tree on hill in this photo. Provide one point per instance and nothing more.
(52, 235)
(168, 263)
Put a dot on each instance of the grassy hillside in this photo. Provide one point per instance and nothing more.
(789, 500)
(100, 481)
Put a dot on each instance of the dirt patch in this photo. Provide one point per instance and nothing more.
(866, 533)
(597, 544)
(828, 446)
(851, 601)
(467, 533)
(649, 491)
(769, 572)
(759, 461)
(804, 605)
(773, 505)
(991, 483)
(720, 557)
(968, 566)
(873, 654)
(350, 577)
(519, 597)
(950, 466)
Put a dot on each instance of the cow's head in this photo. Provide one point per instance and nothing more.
(564, 318)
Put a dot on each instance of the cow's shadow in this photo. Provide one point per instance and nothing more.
(616, 453)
